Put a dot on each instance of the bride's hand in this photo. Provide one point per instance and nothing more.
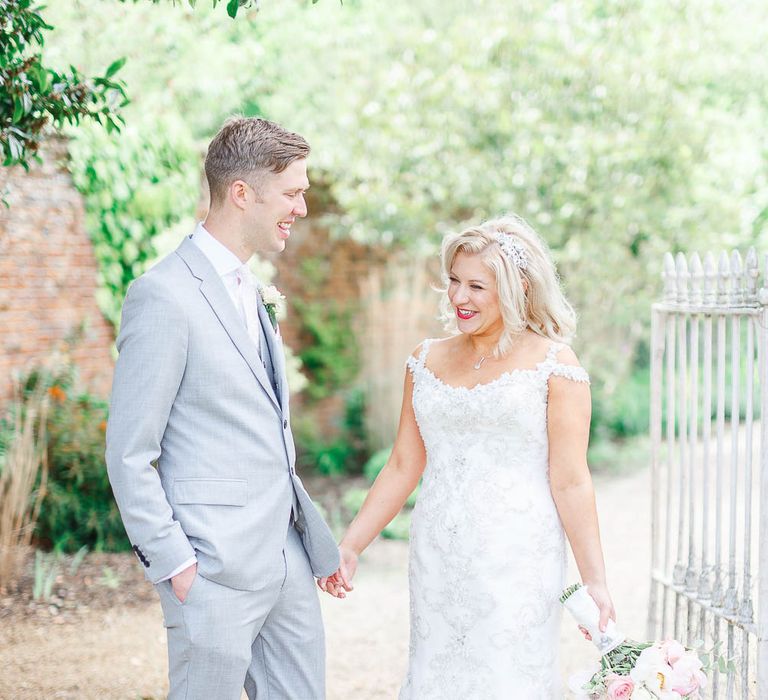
(602, 598)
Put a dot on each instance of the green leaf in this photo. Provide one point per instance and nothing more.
(232, 7)
(18, 110)
(115, 66)
(16, 147)
(41, 77)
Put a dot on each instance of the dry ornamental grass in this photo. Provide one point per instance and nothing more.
(20, 466)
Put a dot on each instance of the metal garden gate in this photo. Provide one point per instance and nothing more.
(709, 432)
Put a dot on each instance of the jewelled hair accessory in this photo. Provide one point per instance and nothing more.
(513, 250)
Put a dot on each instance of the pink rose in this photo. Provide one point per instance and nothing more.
(673, 650)
(620, 688)
(687, 676)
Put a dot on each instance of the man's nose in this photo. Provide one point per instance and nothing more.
(301, 207)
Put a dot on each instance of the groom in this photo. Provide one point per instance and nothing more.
(199, 447)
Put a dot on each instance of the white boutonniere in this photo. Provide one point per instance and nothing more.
(274, 302)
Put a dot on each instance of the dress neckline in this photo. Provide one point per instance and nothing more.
(552, 351)
(507, 374)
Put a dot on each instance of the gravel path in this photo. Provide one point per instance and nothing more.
(120, 654)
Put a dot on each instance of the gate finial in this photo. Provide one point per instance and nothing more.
(697, 280)
(751, 275)
(762, 294)
(709, 293)
(670, 279)
(737, 282)
(723, 276)
(681, 265)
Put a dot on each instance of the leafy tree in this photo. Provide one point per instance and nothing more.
(233, 6)
(135, 187)
(32, 96)
(605, 124)
(619, 128)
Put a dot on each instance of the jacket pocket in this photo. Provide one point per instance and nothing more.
(211, 492)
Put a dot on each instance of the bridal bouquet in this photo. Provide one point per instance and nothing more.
(630, 670)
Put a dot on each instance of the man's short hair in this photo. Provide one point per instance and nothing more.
(247, 147)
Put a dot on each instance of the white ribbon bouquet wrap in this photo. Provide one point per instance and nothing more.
(585, 611)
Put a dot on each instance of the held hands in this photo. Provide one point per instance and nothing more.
(339, 583)
(182, 582)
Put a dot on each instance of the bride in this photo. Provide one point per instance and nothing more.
(495, 419)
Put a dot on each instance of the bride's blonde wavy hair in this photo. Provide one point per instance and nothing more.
(528, 298)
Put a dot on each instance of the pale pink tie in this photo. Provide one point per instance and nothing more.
(249, 297)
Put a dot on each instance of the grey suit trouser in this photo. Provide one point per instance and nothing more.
(269, 641)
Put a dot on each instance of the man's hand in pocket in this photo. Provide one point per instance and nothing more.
(182, 582)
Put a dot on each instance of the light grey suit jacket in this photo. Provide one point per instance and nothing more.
(199, 447)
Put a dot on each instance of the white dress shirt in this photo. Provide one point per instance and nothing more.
(227, 266)
(224, 261)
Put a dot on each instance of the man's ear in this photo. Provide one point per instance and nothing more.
(239, 193)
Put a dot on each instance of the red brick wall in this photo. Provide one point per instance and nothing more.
(337, 269)
(48, 276)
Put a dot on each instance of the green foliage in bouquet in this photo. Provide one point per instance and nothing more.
(34, 96)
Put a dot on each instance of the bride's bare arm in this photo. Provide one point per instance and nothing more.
(394, 484)
(568, 416)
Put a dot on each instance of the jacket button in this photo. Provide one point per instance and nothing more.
(285, 424)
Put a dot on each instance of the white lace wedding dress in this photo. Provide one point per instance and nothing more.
(487, 550)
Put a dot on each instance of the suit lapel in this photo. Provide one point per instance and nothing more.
(212, 288)
(275, 350)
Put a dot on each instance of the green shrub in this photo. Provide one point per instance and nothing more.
(620, 456)
(78, 509)
(341, 454)
(625, 412)
(135, 186)
(326, 458)
(330, 355)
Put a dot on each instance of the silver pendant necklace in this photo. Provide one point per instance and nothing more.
(479, 363)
